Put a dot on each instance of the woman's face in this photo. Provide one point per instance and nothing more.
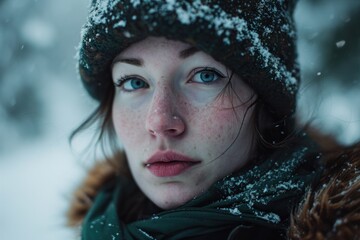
(181, 127)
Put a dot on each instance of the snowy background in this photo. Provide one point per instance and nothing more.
(42, 100)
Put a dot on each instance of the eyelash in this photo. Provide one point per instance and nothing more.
(207, 69)
(120, 82)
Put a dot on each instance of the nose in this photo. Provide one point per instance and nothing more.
(163, 119)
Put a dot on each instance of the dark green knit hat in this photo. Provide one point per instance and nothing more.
(254, 38)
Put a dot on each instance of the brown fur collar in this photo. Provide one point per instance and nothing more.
(101, 173)
(332, 209)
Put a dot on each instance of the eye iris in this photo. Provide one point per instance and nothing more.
(207, 76)
(136, 83)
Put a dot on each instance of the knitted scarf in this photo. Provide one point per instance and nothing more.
(262, 196)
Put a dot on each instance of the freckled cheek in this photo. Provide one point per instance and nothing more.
(220, 121)
(127, 124)
(216, 126)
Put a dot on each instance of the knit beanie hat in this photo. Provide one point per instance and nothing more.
(256, 39)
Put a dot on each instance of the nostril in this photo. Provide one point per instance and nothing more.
(152, 132)
(172, 131)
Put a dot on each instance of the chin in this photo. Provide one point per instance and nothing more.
(169, 204)
(172, 197)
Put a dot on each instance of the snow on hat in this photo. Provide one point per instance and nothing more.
(254, 38)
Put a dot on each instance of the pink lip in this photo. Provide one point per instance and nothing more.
(168, 163)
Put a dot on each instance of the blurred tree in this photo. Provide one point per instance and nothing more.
(20, 105)
(342, 56)
(329, 50)
(335, 36)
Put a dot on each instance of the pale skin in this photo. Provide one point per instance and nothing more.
(168, 98)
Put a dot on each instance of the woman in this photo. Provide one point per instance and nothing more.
(201, 96)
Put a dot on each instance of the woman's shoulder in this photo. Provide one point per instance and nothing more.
(331, 209)
(99, 175)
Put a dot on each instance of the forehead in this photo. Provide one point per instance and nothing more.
(159, 51)
(154, 44)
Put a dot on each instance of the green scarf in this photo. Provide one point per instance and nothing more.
(262, 196)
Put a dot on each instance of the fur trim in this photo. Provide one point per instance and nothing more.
(332, 209)
(97, 177)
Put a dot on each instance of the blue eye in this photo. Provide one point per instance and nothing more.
(130, 84)
(207, 76)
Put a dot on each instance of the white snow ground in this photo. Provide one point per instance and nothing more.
(34, 190)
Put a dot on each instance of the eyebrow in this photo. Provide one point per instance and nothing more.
(139, 62)
(132, 61)
(188, 52)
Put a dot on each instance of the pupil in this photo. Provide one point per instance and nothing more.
(207, 77)
(137, 84)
